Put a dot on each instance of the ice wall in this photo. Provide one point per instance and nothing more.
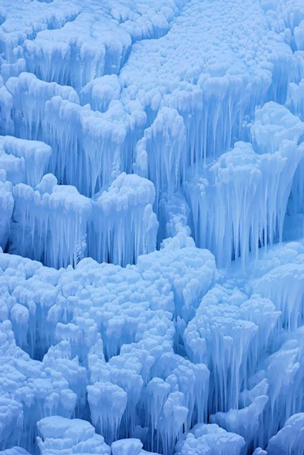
(123, 224)
(289, 438)
(117, 226)
(24, 161)
(6, 208)
(246, 191)
(161, 154)
(47, 215)
(133, 136)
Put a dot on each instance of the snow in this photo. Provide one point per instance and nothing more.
(58, 435)
(210, 440)
(15, 451)
(129, 446)
(151, 227)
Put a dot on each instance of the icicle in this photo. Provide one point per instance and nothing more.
(123, 224)
(53, 220)
(107, 405)
(6, 208)
(24, 161)
(161, 153)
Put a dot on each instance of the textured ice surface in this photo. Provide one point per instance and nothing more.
(58, 435)
(123, 223)
(290, 438)
(15, 451)
(210, 440)
(151, 227)
(24, 161)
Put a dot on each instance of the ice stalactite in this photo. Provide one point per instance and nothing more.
(89, 148)
(218, 327)
(78, 52)
(6, 208)
(245, 422)
(296, 204)
(172, 419)
(214, 111)
(24, 161)
(284, 374)
(50, 222)
(11, 422)
(13, 69)
(284, 286)
(35, 391)
(6, 105)
(173, 216)
(86, 148)
(24, 23)
(243, 196)
(29, 96)
(290, 438)
(179, 374)
(107, 404)
(139, 134)
(123, 224)
(161, 154)
(20, 316)
(295, 99)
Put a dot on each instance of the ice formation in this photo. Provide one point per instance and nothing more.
(151, 227)
(24, 161)
(123, 223)
(58, 435)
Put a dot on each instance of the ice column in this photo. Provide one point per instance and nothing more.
(6, 208)
(240, 203)
(123, 223)
(161, 153)
(107, 404)
(24, 161)
(50, 222)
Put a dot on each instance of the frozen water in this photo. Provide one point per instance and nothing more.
(123, 223)
(210, 440)
(6, 208)
(58, 435)
(290, 438)
(15, 451)
(24, 161)
(151, 227)
(46, 215)
(245, 192)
